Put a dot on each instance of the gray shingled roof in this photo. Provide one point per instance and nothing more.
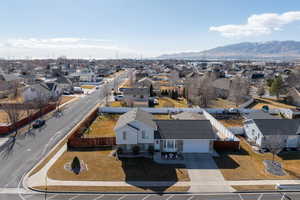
(278, 126)
(184, 129)
(137, 91)
(135, 114)
(260, 115)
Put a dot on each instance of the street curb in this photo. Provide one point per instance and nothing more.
(24, 182)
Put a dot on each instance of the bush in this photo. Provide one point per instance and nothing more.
(151, 149)
(76, 165)
(136, 149)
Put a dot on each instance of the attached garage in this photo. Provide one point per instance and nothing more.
(196, 146)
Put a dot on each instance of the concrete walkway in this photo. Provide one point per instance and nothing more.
(204, 174)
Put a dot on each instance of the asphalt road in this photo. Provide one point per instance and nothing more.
(249, 196)
(17, 158)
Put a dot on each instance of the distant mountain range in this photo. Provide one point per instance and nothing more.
(245, 50)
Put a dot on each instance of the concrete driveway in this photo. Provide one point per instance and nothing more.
(204, 174)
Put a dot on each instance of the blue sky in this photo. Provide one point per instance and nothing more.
(134, 28)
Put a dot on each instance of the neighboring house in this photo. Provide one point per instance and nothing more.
(259, 115)
(47, 91)
(260, 131)
(36, 91)
(137, 97)
(64, 83)
(145, 82)
(293, 96)
(137, 127)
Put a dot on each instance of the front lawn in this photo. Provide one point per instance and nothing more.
(102, 126)
(221, 103)
(232, 122)
(166, 102)
(248, 165)
(88, 87)
(104, 167)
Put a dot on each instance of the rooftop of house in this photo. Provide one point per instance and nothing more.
(137, 91)
(260, 115)
(184, 129)
(278, 126)
(133, 115)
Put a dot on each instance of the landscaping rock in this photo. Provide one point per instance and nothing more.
(274, 168)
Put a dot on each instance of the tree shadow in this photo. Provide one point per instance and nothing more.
(138, 170)
(7, 148)
(58, 114)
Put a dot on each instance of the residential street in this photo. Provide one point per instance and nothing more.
(17, 158)
(243, 196)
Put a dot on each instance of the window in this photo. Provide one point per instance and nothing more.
(124, 135)
(170, 144)
(144, 135)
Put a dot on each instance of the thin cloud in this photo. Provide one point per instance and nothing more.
(256, 25)
(69, 46)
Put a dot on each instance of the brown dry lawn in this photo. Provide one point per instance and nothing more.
(162, 117)
(104, 167)
(117, 104)
(112, 189)
(248, 165)
(88, 86)
(102, 126)
(271, 104)
(165, 102)
(232, 122)
(221, 103)
(253, 187)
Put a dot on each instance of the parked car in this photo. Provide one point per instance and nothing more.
(97, 87)
(119, 97)
(38, 123)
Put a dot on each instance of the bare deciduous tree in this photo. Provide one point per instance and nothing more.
(200, 91)
(239, 90)
(275, 144)
(106, 93)
(261, 90)
(29, 107)
(14, 115)
(40, 102)
(293, 79)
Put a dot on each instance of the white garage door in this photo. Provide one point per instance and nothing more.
(196, 146)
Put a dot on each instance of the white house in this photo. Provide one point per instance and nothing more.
(137, 127)
(259, 131)
(41, 90)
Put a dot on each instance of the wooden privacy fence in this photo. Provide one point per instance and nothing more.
(77, 141)
(91, 142)
(8, 128)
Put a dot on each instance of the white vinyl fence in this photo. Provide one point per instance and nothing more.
(223, 132)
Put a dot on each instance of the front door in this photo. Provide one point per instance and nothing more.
(169, 146)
